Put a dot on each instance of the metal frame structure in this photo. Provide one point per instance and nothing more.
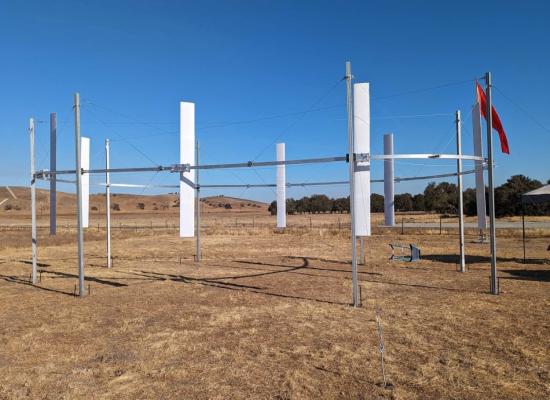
(352, 158)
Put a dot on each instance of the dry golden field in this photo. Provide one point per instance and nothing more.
(266, 315)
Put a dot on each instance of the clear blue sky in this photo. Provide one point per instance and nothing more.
(133, 61)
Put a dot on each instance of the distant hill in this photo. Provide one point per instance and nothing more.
(124, 203)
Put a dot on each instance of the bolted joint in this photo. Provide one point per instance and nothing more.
(362, 157)
(180, 168)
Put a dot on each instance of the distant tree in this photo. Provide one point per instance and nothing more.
(272, 208)
(141, 206)
(303, 205)
(404, 202)
(290, 206)
(320, 203)
(376, 202)
(227, 206)
(470, 202)
(441, 198)
(508, 197)
(419, 202)
(340, 205)
(115, 207)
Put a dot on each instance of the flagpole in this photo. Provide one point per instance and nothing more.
(492, 229)
(356, 298)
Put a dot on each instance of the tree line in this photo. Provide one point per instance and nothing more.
(440, 198)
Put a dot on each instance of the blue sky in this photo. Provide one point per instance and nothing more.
(245, 62)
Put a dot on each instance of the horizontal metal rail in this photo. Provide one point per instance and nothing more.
(250, 164)
(266, 185)
(427, 156)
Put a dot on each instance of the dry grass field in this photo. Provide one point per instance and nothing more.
(266, 315)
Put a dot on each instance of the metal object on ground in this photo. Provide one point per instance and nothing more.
(412, 255)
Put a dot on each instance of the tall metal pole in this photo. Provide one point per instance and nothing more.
(492, 228)
(460, 194)
(389, 182)
(34, 276)
(80, 233)
(108, 201)
(355, 285)
(53, 167)
(198, 201)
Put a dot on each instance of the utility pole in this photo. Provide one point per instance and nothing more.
(351, 153)
(33, 205)
(492, 229)
(108, 201)
(53, 167)
(198, 201)
(460, 195)
(80, 234)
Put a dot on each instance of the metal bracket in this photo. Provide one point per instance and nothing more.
(180, 168)
(362, 157)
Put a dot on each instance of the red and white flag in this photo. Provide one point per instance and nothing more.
(497, 124)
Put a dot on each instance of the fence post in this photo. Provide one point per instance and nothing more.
(440, 225)
(402, 225)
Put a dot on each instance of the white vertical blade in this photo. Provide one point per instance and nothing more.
(187, 156)
(85, 164)
(281, 187)
(361, 111)
(389, 183)
(480, 183)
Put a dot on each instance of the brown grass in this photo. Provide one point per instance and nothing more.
(266, 315)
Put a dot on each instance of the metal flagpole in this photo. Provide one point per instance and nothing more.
(53, 167)
(108, 201)
(80, 234)
(460, 194)
(492, 228)
(355, 287)
(33, 205)
(198, 211)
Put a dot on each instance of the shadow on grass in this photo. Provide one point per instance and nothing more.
(306, 259)
(19, 281)
(41, 265)
(472, 259)
(215, 283)
(539, 275)
(415, 285)
(87, 278)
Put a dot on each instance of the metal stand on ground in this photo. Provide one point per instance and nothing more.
(355, 287)
(33, 205)
(492, 228)
(80, 233)
(460, 194)
(108, 202)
